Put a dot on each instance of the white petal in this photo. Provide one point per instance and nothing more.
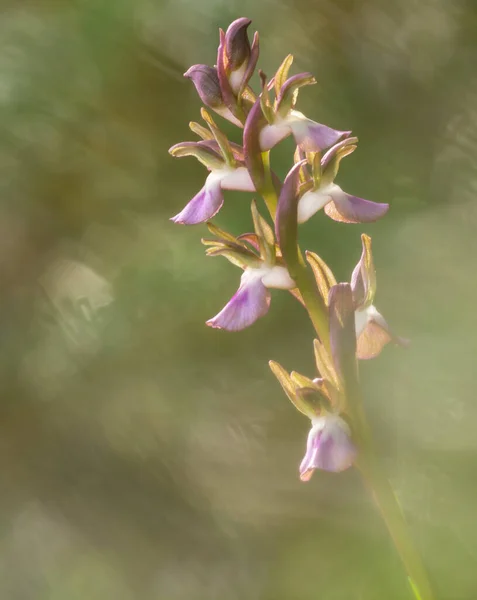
(271, 135)
(363, 316)
(279, 278)
(236, 77)
(237, 179)
(314, 200)
(226, 113)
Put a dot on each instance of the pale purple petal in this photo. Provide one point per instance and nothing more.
(351, 209)
(271, 135)
(329, 447)
(203, 205)
(314, 137)
(373, 333)
(306, 465)
(249, 303)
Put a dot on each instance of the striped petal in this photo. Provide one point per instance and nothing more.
(329, 447)
(203, 205)
(249, 303)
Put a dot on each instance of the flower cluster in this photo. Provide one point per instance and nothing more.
(348, 325)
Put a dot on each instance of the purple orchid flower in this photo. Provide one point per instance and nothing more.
(252, 299)
(329, 446)
(338, 205)
(309, 135)
(233, 176)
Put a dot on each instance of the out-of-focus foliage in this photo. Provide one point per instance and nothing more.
(144, 455)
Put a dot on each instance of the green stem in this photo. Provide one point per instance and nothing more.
(367, 463)
(398, 529)
(385, 498)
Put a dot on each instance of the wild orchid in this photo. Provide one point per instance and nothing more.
(347, 325)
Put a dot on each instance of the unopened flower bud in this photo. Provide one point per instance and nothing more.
(237, 45)
(206, 81)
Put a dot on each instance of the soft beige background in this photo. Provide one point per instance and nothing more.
(145, 456)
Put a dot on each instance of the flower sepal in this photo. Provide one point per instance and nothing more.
(306, 395)
(207, 84)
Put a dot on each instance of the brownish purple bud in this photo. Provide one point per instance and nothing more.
(237, 59)
(207, 84)
(237, 45)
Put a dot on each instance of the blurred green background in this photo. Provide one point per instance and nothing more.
(146, 456)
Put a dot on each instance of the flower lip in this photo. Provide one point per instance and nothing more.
(314, 200)
(209, 200)
(252, 299)
(277, 277)
(329, 446)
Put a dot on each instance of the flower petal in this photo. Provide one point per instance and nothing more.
(249, 303)
(238, 179)
(351, 209)
(251, 144)
(363, 278)
(203, 205)
(237, 45)
(312, 136)
(271, 135)
(310, 203)
(207, 152)
(278, 277)
(329, 447)
(374, 335)
(306, 465)
(207, 84)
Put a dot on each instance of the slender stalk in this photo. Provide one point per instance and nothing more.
(396, 524)
(368, 465)
(385, 498)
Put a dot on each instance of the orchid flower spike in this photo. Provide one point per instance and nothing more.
(263, 269)
(225, 162)
(323, 192)
(284, 120)
(372, 330)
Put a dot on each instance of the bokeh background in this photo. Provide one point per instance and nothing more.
(146, 456)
